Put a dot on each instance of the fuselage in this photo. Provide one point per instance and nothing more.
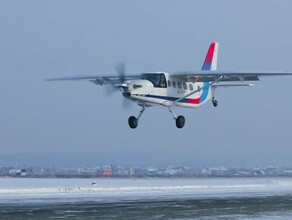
(162, 89)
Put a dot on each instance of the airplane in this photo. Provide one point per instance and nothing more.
(183, 89)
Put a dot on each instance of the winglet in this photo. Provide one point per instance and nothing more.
(211, 58)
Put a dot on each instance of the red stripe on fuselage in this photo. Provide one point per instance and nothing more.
(195, 101)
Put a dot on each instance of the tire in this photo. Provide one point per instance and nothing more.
(133, 122)
(215, 103)
(180, 121)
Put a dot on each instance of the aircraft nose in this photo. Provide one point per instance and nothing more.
(126, 94)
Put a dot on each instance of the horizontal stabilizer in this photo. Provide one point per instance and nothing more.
(233, 85)
(210, 76)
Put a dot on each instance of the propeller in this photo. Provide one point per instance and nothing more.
(110, 89)
(121, 70)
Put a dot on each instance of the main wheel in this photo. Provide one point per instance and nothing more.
(180, 121)
(133, 122)
(215, 103)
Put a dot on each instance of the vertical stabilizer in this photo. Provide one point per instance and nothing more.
(211, 58)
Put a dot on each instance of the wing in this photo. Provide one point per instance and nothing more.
(98, 79)
(210, 76)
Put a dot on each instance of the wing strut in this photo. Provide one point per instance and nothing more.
(191, 93)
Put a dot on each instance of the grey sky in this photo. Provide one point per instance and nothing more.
(73, 123)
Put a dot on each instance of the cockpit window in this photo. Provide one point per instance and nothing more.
(158, 80)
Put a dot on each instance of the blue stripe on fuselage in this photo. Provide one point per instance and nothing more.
(205, 92)
(168, 98)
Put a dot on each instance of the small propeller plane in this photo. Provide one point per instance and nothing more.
(183, 89)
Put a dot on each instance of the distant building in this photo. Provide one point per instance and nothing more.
(17, 172)
(150, 172)
(204, 172)
(123, 172)
(107, 173)
(218, 171)
(106, 170)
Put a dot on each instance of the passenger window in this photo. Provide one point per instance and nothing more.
(169, 83)
(191, 87)
(185, 86)
(179, 85)
(173, 84)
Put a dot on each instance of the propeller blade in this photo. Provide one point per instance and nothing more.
(121, 70)
(111, 88)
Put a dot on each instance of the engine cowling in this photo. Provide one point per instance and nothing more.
(138, 87)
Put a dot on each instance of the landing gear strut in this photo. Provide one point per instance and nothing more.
(179, 121)
(133, 121)
(215, 102)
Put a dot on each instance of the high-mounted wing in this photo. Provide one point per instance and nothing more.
(210, 76)
(98, 79)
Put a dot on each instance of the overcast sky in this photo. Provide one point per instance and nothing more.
(73, 123)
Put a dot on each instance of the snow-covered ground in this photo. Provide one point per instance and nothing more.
(11, 188)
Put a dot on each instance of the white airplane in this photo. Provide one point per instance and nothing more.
(184, 89)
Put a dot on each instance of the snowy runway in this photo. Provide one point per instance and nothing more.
(208, 187)
(209, 198)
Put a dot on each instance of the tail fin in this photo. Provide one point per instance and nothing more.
(211, 58)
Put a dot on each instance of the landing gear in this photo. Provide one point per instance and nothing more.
(179, 121)
(215, 102)
(133, 121)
